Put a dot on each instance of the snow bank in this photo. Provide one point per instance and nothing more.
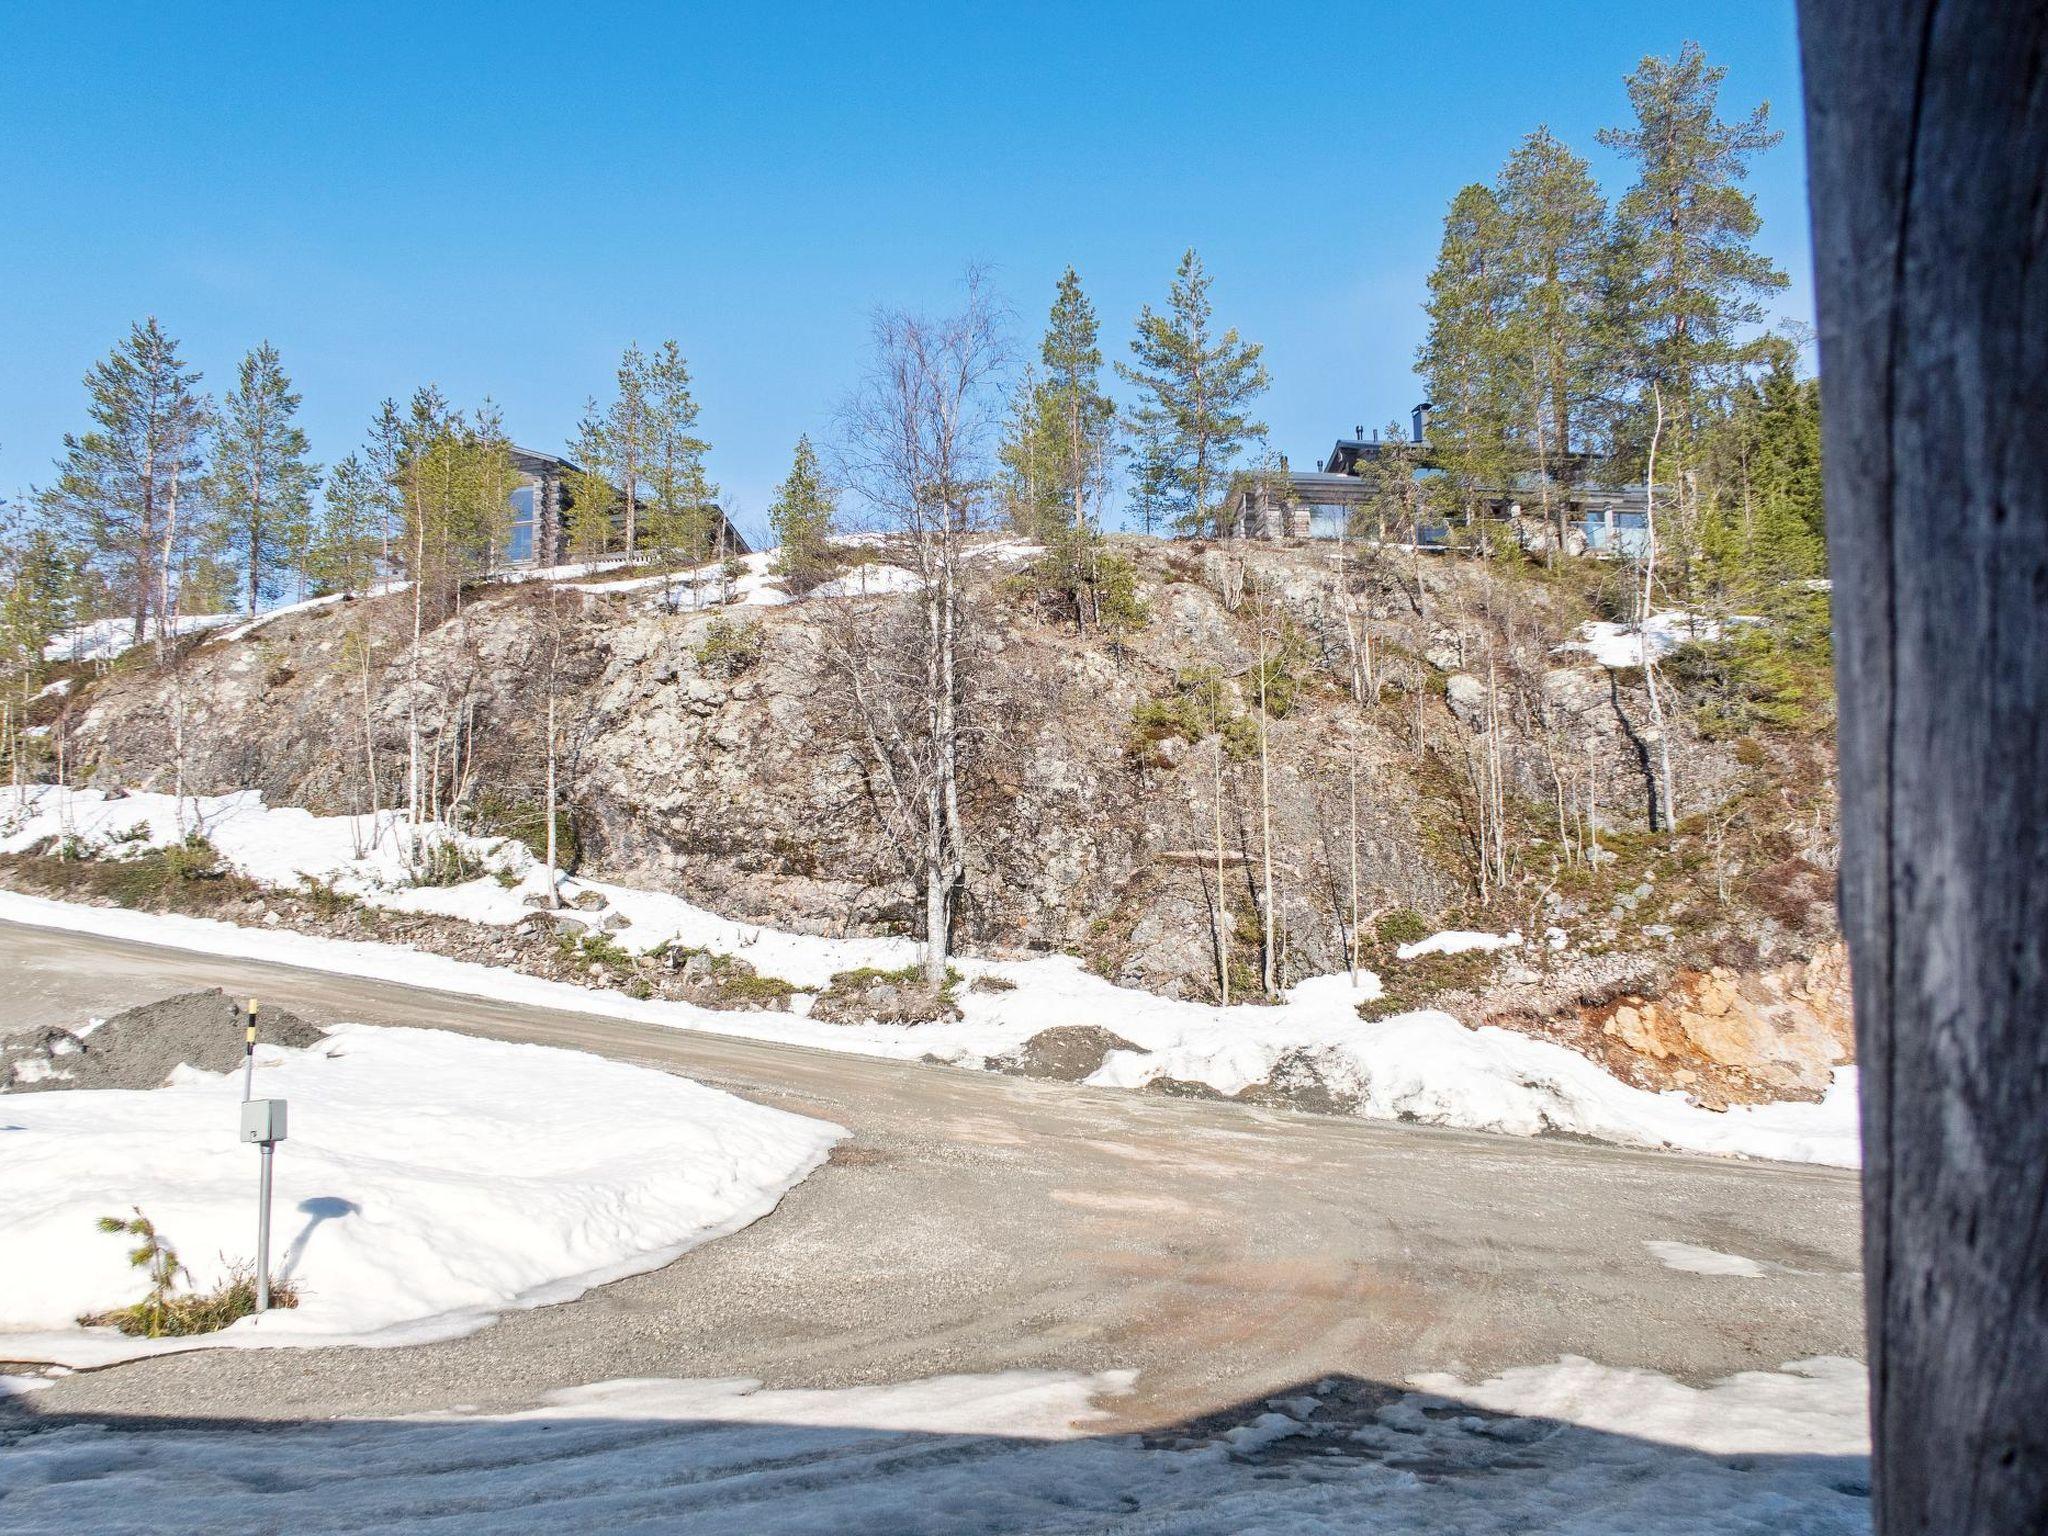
(104, 639)
(430, 1180)
(704, 586)
(871, 580)
(276, 846)
(1571, 1447)
(1621, 645)
(1456, 942)
(1416, 1066)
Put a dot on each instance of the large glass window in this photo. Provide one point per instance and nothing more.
(519, 546)
(1328, 519)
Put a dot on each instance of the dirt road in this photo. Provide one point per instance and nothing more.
(979, 1223)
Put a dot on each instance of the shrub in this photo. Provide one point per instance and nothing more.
(729, 647)
(447, 863)
(164, 1314)
(324, 899)
(193, 859)
(596, 949)
(1404, 925)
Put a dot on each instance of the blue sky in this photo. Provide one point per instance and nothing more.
(497, 198)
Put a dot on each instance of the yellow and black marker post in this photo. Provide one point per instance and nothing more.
(249, 1052)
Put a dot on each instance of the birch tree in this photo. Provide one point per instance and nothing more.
(917, 454)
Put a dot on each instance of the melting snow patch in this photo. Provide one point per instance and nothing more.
(1704, 1261)
(1622, 645)
(1457, 942)
(431, 1180)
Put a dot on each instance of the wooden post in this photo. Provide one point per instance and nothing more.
(1928, 140)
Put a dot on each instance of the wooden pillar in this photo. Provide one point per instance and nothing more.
(1927, 123)
(547, 517)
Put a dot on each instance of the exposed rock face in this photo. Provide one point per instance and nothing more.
(747, 788)
(1788, 1026)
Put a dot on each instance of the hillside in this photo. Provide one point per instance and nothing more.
(1503, 785)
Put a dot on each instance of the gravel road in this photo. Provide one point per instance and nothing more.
(980, 1223)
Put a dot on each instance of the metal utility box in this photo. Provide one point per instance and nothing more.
(263, 1120)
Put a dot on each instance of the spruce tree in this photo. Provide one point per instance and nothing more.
(1697, 281)
(1197, 391)
(120, 484)
(800, 518)
(262, 482)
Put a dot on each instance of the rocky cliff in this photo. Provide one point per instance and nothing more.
(1501, 783)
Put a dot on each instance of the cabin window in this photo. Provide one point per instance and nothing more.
(519, 545)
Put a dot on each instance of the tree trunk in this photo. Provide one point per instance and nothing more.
(1928, 135)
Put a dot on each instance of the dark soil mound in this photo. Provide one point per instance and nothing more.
(1069, 1053)
(142, 1047)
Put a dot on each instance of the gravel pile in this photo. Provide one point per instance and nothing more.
(142, 1047)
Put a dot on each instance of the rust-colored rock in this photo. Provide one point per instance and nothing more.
(1787, 1027)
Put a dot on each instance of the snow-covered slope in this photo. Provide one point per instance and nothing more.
(1422, 1066)
(429, 1181)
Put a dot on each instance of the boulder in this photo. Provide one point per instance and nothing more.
(1067, 1053)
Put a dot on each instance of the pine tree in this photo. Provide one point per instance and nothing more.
(1477, 385)
(119, 484)
(343, 553)
(591, 498)
(1696, 280)
(1057, 451)
(800, 517)
(1195, 414)
(1559, 257)
(262, 482)
(626, 430)
(681, 523)
(41, 590)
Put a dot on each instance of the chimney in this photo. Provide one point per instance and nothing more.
(1358, 434)
(1421, 418)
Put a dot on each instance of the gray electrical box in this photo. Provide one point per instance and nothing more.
(263, 1120)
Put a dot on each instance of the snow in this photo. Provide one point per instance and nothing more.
(1422, 1066)
(705, 586)
(1692, 1260)
(55, 690)
(1571, 1448)
(1457, 941)
(104, 639)
(872, 580)
(430, 1181)
(1621, 645)
(249, 627)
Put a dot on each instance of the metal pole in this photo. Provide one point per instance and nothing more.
(263, 1233)
(249, 1055)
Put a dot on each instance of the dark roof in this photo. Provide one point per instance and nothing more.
(533, 461)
